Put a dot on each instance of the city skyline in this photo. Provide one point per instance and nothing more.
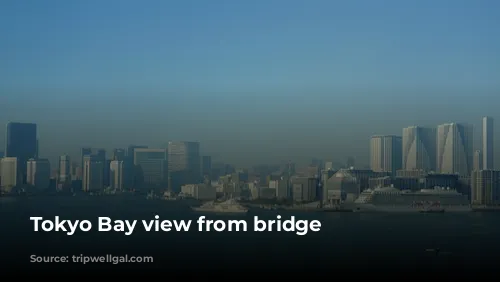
(372, 124)
(447, 148)
(413, 152)
(250, 85)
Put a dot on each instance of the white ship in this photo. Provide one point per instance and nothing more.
(389, 199)
(169, 196)
(229, 206)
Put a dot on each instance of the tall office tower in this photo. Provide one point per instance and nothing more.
(290, 169)
(152, 166)
(38, 173)
(64, 175)
(9, 174)
(455, 148)
(21, 143)
(183, 164)
(485, 187)
(101, 154)
(76, 171)
(118, 177)
(131, 149)
(86, 151)
(106, 173)
(92, 173)
(488, 143)
(206, 166)
(119, 154)
(419, 148)
(478, 160)
(131, 168)
(386, 153)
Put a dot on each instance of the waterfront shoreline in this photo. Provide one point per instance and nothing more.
(486, 208)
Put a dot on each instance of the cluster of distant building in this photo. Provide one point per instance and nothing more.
(447, 149)
(139, 167)
(422, 158)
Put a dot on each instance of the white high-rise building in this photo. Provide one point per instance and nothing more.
(488, 143)
(478, 160)
(64, 169)
(419, 148)
(385, 153)
(117, 175)
(485, 187)
(9, 174)
(455, 148)
(38, 173)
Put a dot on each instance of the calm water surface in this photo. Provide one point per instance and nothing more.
(400, 240)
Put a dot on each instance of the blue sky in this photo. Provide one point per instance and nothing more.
(249, 79)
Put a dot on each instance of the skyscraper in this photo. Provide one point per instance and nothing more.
(478, 160)
(152, 166)
(64, 173)
(64, 169)
(21, 143)
(131, 149)
(485, 187)
(488, 143)
(9, 174)
(118, 177)
(419, 148)
(101, 154)
(92, 173)
(86, 151)
(455, 148)
(119, 154)
(385, 153)
(206, 166)
(38, 173)
(183, 164)
(132, 170)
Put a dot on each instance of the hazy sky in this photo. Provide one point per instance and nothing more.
(254, 81)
